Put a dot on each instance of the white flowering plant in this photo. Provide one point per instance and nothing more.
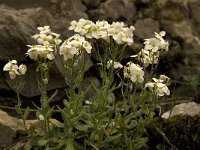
(103, 121)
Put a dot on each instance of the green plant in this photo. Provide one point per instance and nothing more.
(101, 122)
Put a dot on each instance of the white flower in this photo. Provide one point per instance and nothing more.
(152, 44)
(158, 87)
(67, 51)
(164, 45)
(120, 33)
(14, 70)
(162, 89)
(132, 28)
(152, 48)
(116, 65)
(164, 78)
(10, 65)
(87, 47)
(44, 29)
(46, 37)
(134, 72)
(74, 46)
(22, 69)
(88, 102)
(50, 56)
(160, 35)
(149, 85)
(148, 57)
(73, 25)
(40, 51)
(49, 37)
(157, 80)
(127, 35)
(41, 117)
(58, 41)
(84, 27)
(157, 43)
(102, 29)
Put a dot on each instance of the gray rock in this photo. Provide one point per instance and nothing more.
(184, 2)
(91, 4)
(182, 30)
(162, 3)
(142, 2)
(172, 11)
(3, 84)
(8, 129)
(145, 28)
(115, 10)
(190, 108)
(26, 3)
(194, 8)
(149, 12)
(15, 33)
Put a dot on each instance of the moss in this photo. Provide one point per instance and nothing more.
(182, 131)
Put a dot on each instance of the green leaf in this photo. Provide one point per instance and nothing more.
(53, 95)
(132, 124)
(79, 146)
(60, 145)
(42, 142)
(140, 142)
(28, 146)
(159, 147)
(49, 112)
(18, 109)
(86, 117)
(81, 127)
(26, 113)
(113, 138)
(66, 103)
(107, 113)
(69, 144)
(111, 98)
(31, 130)
(64, 114)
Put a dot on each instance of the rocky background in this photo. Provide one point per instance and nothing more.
(179, 18)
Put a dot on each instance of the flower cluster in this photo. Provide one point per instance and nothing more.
(134, 72)
(159, 86)
(46, 40)
(152, 49)
(73, 46)
(40, 51)
(46, 37)
(121, 34)
(116, 65)
(148, 57)
(14, 69)
(84, 27)
(103, 30)
(157, 43)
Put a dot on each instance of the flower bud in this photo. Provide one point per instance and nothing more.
(45, 81)
(41, 117)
